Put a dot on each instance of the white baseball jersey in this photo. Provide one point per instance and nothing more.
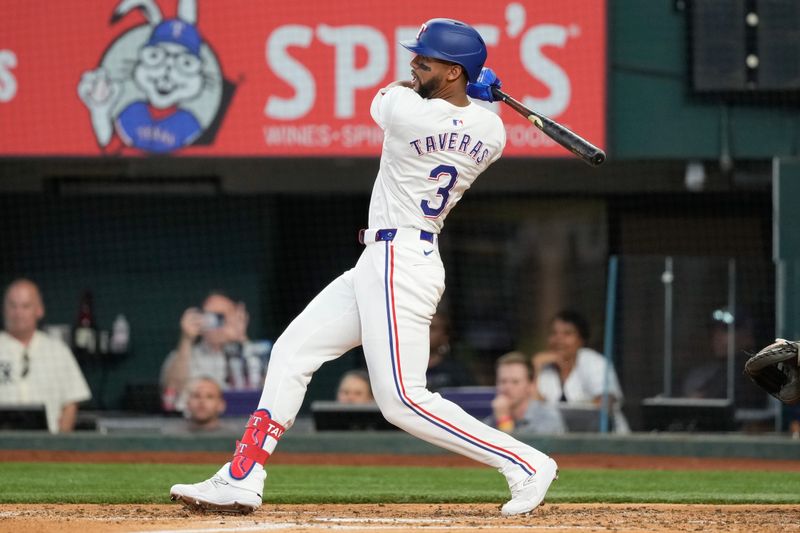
(432, 152)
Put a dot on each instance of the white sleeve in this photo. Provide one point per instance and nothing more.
(502, 135)
(378, 108)
(72, 383)
(549, 384)
(594, 377)
(384, 103)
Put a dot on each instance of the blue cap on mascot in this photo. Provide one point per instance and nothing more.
(178, 32)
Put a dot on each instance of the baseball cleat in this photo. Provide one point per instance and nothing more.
(222, 493)
(530, 492)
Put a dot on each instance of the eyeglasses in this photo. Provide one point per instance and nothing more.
(26, 363)
(154, 56)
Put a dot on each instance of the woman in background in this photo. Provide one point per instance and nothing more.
(570, 372)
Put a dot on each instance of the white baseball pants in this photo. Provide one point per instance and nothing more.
(385, 303)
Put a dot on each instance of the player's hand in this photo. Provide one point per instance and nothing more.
(482, 87)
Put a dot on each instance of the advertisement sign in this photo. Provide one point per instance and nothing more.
(245, 78)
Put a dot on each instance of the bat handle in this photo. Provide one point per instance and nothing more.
(499, 95)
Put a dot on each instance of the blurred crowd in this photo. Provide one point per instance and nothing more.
(563, 387)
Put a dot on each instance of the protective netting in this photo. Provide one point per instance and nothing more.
(264, 196)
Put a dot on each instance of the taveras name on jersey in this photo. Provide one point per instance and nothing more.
(452, 141)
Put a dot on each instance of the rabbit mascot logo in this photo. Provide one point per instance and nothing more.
(159, 86)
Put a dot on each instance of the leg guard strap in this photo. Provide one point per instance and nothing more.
(251, 452)
(266, 425)
(250, 449)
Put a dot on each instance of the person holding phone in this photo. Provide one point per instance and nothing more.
(213, 343)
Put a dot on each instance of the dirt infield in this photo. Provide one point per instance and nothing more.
(400, 518)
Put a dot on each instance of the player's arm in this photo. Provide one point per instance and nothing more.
(399, 83)
(381, 108)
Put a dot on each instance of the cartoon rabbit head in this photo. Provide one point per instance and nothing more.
(169, 69)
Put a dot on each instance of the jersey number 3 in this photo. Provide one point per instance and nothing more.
(444, 191)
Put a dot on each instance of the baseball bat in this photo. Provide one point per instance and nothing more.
(570, 140)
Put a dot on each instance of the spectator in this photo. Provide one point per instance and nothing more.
(709, 379)
(213, 343)
(568, 371)
(34, 367)
(518, 407)
(205, 405)
(354, 388)
(444, 370)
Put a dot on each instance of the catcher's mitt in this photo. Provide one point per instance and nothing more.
(775, 369)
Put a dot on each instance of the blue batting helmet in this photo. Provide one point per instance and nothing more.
(452, 41)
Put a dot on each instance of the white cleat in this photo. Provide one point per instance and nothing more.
(223, 493)
(530, 492)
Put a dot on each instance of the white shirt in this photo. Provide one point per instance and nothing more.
(432, 152)
(54, 378)
(238, 373)
(584, 383)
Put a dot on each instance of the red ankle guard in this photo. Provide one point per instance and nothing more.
(249, 450)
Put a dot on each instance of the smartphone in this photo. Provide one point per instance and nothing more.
(213, 321)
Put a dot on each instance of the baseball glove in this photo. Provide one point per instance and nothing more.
(775, 369)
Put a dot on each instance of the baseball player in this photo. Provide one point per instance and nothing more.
(436, 143)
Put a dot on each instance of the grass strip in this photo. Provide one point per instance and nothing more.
(149, 483)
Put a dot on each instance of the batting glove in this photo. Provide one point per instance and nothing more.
(482, 88)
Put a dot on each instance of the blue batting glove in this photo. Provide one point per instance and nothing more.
(482, 88)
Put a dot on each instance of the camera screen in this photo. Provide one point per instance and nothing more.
(213, 320)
